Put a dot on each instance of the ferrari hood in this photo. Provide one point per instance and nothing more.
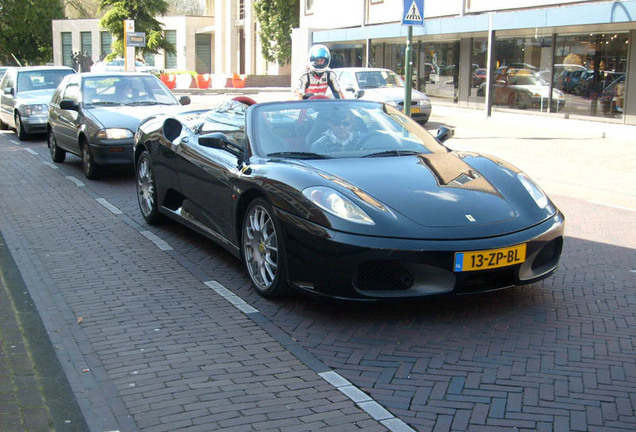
(451, 191)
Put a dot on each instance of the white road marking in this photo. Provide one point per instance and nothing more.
(161, 244)
(228, 295)
(77, 182)
(109, 206)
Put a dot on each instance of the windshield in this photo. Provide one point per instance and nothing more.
(337, 129)
(126, 90)
(41, 79)
(378, 78)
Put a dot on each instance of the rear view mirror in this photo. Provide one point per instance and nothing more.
(68, 104)
(8, 90)
(184, 100)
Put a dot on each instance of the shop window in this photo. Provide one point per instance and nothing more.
(479, 70)
(590, 70)
(520, 79)
(438, 69)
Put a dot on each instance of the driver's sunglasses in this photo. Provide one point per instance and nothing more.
(345, 123)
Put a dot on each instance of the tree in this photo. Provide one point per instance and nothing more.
(277, 18)
(144, 13)
(26, 31)
(81, 8)
(186, 7)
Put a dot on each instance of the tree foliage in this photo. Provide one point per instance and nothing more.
(144, 13)
(26, 31)
(186, 7)
(277, 18)
(81, 8)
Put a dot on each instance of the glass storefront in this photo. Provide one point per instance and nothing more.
(439, 62)
(590, 69)
(479, 61)
(588, 73)
(435, 65)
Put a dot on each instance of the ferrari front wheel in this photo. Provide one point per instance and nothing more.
(147, 190)
(264, 250)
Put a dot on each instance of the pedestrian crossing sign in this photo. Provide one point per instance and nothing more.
(413, 12)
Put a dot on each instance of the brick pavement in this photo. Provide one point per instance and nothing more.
(142, 348)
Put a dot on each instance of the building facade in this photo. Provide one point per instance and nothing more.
(565, 58)
(223, 41)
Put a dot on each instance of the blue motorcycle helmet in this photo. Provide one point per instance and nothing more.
(319, 58)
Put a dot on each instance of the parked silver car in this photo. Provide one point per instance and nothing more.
(95, 116)
(382, 85)
(25, 95)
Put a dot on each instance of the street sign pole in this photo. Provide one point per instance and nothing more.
(408, 72)
(129, 51)
(412, 14)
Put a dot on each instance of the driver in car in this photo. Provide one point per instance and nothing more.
(339, 136)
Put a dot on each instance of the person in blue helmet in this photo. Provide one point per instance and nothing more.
(318, 78)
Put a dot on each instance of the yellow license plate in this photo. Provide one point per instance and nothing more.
(489, 259)
(415, 110)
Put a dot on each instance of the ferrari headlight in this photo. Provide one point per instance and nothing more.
(114, 134)
(33, 110)
(337, 204)
(535, 192)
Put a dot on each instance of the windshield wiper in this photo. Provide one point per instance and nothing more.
(104, 103)
(147, 102)
(300, 155)
(393, 153)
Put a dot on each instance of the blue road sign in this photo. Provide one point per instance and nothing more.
(413, 12)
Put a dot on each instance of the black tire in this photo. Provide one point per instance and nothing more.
(147, 190)
(264, 250)
(90, 168)
(57, 154)
(19, 128)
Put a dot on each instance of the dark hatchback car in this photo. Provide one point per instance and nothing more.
(95, 116)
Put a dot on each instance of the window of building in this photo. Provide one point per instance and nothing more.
(149, 58)
(479, 60)
(241, 9)
(521, 75)
(438, 71)
(105, 43)
(67, 49)
(171, 59)
(590, 71)
(87, 43)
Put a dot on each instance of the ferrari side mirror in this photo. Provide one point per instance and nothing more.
(444, 133)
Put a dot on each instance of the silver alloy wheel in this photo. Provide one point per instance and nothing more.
(260, 247)
(145, 187)
(86, 159)
(19, 128)
(52, 145)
